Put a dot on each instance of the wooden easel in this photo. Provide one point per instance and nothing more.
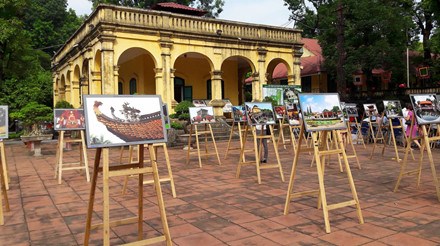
(393, 138)
(124, 170)
(4, 164)
(348, 142)
(197, 133)
(3, 184)
(240, 131)
(167, 178)
(258, 141)
(358, 127)
(83, 160)
(281, 139)
(320, 166)
(378, 135)
(426, 140)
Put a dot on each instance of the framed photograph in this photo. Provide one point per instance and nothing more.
(393, 108)
(351, 110)
(259, 113)
(68, 119)
(166, 116)
(293, 114)
(201, 115)
(4, 125)
(119, 120)
(370, 109)
(282, 94)
(199, 103)
(239, 113)
(228, 106)
(280, 112)
(426, 108)
(321, 112)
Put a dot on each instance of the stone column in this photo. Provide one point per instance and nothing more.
(297, 53)
(55, 81)
(256, 87)
(166, 44)
(116, 79)
(261, 71)
(173, 102)
(107, 39)
(216, 92)
(159, 84)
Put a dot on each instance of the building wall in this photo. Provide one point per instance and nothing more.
(119, 43)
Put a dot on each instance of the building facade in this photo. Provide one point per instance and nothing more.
(121, 50)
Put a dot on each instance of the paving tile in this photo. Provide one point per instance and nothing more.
(403, 239)
(215, 208)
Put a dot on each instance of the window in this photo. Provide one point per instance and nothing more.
(133, 89)
(120, 88)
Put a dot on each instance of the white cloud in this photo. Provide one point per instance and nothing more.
(81, 7)
(267, 12)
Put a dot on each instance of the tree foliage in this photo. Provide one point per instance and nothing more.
(374, 33)
(30, 30)
(213, 7)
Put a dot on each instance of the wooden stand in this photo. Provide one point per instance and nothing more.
(257, 151)
(426, 140)
(281, 139)
(83, 160)
(124, 170)
(349, 142)
(240, 132)
(393, 138)
(168, 178)
(197, 133)
(377, 135)
(3, 183)
(320, 165)
(4, 164)
(358, 127)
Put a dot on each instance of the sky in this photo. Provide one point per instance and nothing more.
(268, 12)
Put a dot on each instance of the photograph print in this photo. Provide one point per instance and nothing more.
(393, 108)
(201, 115)
(68, 119)
(280, 112)
(199, 103)
(351, 110)
(293, 114)
(426, 108)
(370, 109)
(259, 113)
(4, 125)
(321, 112)
(119, 120)
(239, 113)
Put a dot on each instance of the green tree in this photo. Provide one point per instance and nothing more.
(213, 7)
(374, 34)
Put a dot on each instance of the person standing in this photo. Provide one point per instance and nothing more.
(412, 130)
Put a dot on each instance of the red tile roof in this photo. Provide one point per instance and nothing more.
(178, 8)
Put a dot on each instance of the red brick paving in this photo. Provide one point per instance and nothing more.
(215, 208)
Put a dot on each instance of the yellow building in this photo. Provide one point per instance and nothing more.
(121, 50)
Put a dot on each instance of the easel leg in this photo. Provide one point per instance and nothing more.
(403, 165)
(92, 196)
(198, 146)
(431, 162)
(160, 199)
(141, 187)
(231, 132)
(241, 159)
(350, 179)
(106, 197)
(322, 196)
(84, 154)
(292, 173)
(272, 137)
(215, 145)
(60, 156)
(257, 153)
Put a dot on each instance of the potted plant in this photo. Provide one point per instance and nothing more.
(33, 117)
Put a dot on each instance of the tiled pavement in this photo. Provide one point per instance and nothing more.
(215, 208)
